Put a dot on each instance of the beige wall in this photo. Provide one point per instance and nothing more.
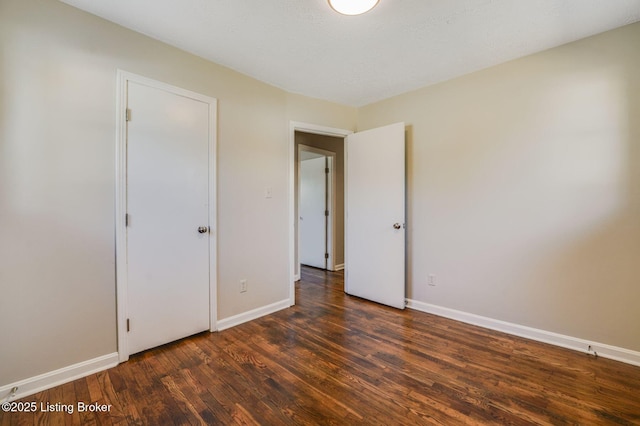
(336, 145)
(523, 184)
(524, 189)
(314, 111)
(57, 177)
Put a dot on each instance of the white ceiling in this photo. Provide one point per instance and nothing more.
(304, 47)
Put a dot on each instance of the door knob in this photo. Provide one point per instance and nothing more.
(397, 226)
(203, 229)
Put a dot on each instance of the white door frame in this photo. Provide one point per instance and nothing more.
(121, 200)
(331, 202)
(296, 126)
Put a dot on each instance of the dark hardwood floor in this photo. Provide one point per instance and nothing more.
(338, 360)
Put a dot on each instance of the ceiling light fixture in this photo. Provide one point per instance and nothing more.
(352, 7)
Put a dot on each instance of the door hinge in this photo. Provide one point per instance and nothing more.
(126, 219)
(128, 327)
(326, 170)
(326, 212)
(326, 255)
(128, 114)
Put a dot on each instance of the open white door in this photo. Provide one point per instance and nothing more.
(375, 215)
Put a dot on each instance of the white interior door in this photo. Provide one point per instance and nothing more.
(313, 222)
(375, 215)
(167, 201)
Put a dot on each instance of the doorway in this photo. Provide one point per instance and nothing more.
(308, 146)
(331, 141)
(316, 207)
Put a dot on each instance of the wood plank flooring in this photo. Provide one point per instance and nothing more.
(338, 360)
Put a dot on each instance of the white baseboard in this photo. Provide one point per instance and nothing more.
(253, 314)
(606, 351)
(58, 377)
(296, 277)
(339, 267)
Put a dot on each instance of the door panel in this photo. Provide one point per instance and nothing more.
(167, 200)
(375, 201)
(313, 231)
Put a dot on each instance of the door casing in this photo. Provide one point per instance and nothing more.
(123, 78)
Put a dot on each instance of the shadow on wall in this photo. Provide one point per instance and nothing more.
(408, 140)
(605, 237)
(538, 203)
(56, 210)
(593, 242)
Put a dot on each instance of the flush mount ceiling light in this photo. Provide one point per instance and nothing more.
(352, 7)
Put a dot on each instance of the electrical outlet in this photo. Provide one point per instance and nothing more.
(431, 280)
(243, 286)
